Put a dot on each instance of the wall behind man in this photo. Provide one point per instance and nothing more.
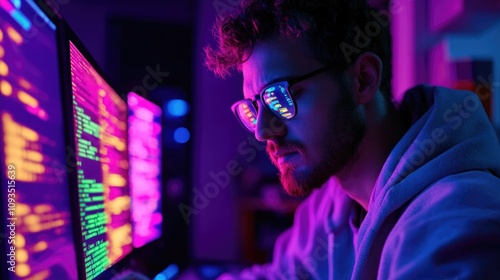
(216, 159)
(89, 18)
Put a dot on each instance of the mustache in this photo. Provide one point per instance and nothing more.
(288, 145)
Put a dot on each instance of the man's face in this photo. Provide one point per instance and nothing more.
(325, 134)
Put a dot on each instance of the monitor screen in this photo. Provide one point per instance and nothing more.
(144, 123)
(100, 125)
(34, 184)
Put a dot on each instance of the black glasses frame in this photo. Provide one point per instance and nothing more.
(285, 84)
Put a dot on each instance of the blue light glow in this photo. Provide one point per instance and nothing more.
(168, 273)
(181, 135)
(21, 19)
(16, 3)
(41, 14)
(177, 108)
(210, 271)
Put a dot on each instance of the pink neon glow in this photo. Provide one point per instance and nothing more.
(403, 46)
(38, 112)
(145, 161)
(439, 65)
(7, 6)
(102, 160)
(442, 12)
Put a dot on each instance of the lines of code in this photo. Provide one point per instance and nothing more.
(32, 141)
(90, 187)
(145, 162)
(100, 135)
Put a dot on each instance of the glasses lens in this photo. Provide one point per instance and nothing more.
(278, 99)
(247, 114)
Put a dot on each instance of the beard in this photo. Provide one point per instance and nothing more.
(340, 141)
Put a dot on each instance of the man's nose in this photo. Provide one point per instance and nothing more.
(269, 126)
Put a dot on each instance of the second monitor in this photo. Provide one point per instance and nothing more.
(100, 126)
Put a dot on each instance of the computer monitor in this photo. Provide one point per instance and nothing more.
(144, 137)
(100, 135)
(38, 240)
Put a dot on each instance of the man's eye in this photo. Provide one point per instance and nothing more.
(256, 105)
(297, 92)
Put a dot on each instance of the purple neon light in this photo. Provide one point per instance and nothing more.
(37, 233)
(102, 166)
(439, 65)
(145, 161)
(403, 45)
(442, 12)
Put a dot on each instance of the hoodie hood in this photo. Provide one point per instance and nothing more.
(450, 134)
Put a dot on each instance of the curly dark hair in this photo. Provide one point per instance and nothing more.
(336, 30)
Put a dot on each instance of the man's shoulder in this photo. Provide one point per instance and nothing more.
(451, 228)
(463, 197)
(458, 209)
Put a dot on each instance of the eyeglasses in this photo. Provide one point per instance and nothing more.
(277, 98)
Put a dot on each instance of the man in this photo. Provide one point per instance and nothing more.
(407, 192)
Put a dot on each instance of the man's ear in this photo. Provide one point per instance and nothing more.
(366, 73)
